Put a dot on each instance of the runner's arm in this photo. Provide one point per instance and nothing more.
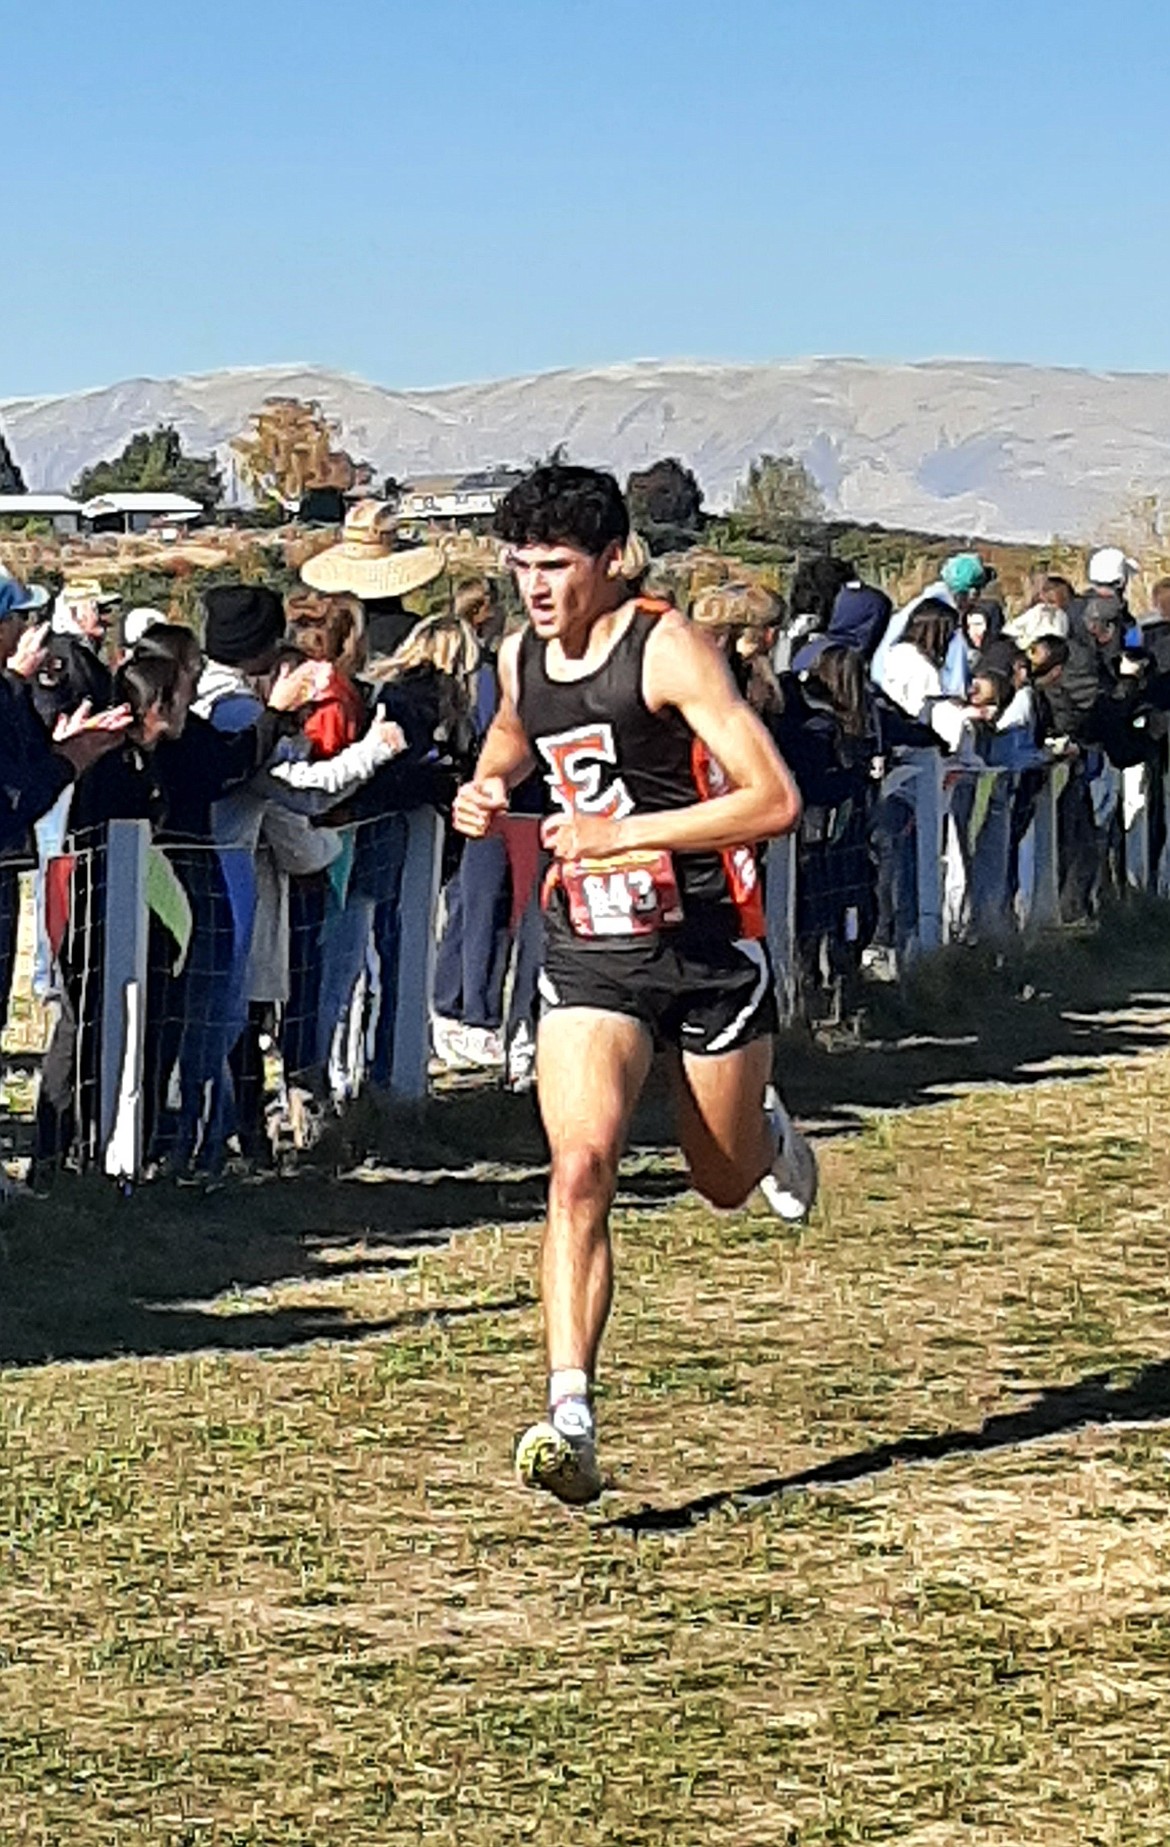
(506, 752)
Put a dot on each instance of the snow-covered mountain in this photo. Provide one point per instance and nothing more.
(957, 446)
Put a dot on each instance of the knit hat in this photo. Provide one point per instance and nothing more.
(964, 572)
(243, 622)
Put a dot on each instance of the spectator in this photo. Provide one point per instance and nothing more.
(860, 616)
(913, 668)
(263, 836)
(472, 959)
(961, 582)
(827, 732)
(368, 562)
(425, 689)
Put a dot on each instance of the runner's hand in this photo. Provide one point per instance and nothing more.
(581, 836)
(29, 652)
(477, 806)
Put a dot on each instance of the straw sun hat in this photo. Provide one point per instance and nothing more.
(369, 562)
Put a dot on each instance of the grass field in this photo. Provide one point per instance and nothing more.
(887, 1552)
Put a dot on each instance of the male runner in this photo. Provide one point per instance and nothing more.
(653, 919)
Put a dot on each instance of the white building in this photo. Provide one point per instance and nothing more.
(456, 498)
(139, 512)
(61, 510)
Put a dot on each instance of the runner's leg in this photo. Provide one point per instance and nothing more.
(723, 1130)
(590, 1065)
(590, 1068)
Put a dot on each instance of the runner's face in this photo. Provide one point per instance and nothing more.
(564, 589)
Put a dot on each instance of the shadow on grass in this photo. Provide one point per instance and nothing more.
(78, 1268)
(156, 1328)
(1058, 1410)
(1054, 1007)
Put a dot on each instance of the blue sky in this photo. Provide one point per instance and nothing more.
(432, 192)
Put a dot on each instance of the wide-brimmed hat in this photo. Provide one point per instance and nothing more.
(89, 590)
(369, 561)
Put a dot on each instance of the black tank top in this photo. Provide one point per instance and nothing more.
(601, 750)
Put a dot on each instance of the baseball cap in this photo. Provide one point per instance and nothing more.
(20, 599)
(1110, 566)
(963, 572)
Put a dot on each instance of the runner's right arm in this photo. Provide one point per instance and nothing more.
(505, 759)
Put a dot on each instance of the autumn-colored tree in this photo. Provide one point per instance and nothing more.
(292, 447)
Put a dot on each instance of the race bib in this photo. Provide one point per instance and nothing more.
(631, 896)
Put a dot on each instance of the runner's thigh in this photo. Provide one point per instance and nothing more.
(721, 1126)
(590, 1069)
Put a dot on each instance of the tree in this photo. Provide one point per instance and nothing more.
(776, 494)
(665, 494)
(11, 479)
(290, 449)
(153, 462)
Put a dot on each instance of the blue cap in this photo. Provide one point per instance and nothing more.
(16, 599)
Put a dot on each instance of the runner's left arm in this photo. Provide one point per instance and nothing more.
(684, 669)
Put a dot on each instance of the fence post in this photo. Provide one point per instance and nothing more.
(418, 897)
(124, 969)
(1135, 817)
(1163, 868)
(1044, 909)
(929, 819)
(780, 916)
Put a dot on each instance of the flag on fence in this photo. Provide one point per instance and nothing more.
(169, 902)
(58, 888)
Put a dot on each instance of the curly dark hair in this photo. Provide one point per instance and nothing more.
(559, 504)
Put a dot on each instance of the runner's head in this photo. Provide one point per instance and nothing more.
(565, 529)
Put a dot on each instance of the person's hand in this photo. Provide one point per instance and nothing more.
(29, 651)
(81, 737)
(478, 805)
(581, 836)
(298, 686)
(390, 735)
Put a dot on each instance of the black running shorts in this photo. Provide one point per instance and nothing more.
(700, 992)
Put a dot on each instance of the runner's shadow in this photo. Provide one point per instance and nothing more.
(1059, 1409)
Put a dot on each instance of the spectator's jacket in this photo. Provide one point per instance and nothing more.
(32, 774)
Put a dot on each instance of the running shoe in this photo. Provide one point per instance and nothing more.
(563, 1462)
(791, 1187)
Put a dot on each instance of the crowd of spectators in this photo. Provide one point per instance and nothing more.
(279, 755)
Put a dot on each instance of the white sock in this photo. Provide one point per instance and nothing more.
(568, 1397)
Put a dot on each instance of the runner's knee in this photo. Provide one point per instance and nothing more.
(582, 1177)
(724, 1187)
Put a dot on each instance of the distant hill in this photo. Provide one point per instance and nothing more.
(958, 446)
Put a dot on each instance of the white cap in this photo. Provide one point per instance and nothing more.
(136, 622)
(1110, 568)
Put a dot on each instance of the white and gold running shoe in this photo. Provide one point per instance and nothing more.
(791, 1187)
(564, 1464)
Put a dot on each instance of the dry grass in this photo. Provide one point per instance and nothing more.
(885, 1558)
